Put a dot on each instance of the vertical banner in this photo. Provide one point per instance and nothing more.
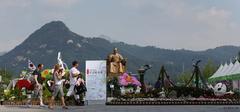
(96, 81)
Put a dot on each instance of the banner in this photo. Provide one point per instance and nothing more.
(96, 80)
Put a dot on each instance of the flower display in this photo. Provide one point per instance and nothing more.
(125, 80)
(47, 74)
(24, 83)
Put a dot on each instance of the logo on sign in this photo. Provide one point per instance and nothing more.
(95, 71)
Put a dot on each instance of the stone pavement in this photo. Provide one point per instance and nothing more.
(104, 108)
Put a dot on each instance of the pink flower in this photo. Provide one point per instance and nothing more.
(126, 79)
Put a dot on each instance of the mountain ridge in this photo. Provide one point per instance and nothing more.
(43, 44)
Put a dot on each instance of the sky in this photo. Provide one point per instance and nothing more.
(171, 24)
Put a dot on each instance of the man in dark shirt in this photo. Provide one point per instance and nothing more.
(39, 82)
(37, 72)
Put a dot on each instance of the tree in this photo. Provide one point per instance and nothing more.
(237, 58)
(6, 76)
(209, 69)
(184, 77)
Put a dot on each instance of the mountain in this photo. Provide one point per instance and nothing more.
(2, 53)
(108, 38)
(42, 47)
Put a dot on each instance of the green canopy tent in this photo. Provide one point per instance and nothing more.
(230, 72)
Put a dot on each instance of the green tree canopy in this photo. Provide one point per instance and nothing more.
(209, 69)
(184, 77)
(6, 76)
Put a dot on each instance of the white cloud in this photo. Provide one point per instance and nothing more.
(163, 23)
(180, 21)
(60, 3)
(136, 3)
(215, 18)
(14, 3)
(173, 7)
(44, 3)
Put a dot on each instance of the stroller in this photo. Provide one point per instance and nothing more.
(80, 87)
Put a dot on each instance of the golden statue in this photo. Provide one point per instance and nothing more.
(116, 63)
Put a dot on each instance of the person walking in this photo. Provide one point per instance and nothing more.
(39, 83)
(73, 74)
(58, 86)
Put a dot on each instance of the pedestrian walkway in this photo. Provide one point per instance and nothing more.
(103, 108)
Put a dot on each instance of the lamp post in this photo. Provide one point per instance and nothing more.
(112, 89)
(142, 72)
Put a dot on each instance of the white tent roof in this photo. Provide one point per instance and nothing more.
(225, 68)
(218, 71)
(235, 68)
(228, 70)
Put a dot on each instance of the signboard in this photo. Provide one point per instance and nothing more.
(96, 80)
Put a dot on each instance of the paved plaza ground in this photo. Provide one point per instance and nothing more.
(104, 108)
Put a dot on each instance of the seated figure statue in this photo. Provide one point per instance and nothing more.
(116, 64)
